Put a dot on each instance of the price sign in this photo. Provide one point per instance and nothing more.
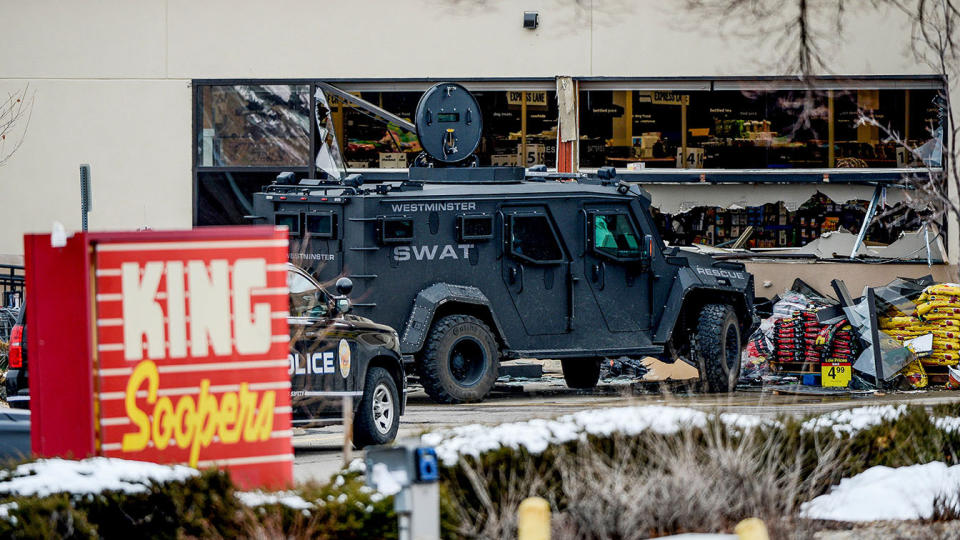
(835, 375)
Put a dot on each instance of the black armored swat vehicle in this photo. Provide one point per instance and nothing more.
(478, 265)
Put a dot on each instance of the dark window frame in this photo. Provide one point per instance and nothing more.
(382, 229)
(508, 237)
(591, 234)
(461, 227)
(325, 213)
(298, 218)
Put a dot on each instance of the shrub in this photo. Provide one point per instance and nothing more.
(202, 506)
(703, 478)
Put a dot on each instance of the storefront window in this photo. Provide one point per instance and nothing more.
(749, 129)
(370, 143)
(254, 125)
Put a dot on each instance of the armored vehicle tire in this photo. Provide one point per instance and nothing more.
(717, 348)
(378, 416)
(460, 359)
(581, 372)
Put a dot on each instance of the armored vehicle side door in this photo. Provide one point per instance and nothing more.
(316, 373)
(534, 269)
(613, 268)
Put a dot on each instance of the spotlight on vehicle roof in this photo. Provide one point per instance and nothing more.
(286, 179)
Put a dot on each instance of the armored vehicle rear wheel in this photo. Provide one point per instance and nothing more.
(459, 361)
(581, 372)
(716, 347)
(378, 416)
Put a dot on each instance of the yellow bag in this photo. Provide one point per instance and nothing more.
(915, 374)
(925, 307)
(948, 289)
(942, 358)
(939, 313)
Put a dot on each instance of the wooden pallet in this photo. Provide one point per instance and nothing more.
(936, 375)
(795, 368)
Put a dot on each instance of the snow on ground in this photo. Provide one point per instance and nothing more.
(850, 421)
(89, 476)
(286, 498)
(535, 435)
(884, 493)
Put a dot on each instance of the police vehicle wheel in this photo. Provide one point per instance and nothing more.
(717, 348)
(581, 372)
(459, 362)
(378, 415)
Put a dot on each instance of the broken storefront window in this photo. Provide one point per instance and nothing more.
(820, 227)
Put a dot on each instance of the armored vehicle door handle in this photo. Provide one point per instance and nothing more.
(597, 272)
(515, 274)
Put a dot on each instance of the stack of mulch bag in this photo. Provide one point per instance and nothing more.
(937, 313)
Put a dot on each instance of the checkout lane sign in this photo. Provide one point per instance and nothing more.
(191, 354)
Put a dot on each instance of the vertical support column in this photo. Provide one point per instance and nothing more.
(683, 131)
(568, 118)
(831, 131)
(906, 115)
(523, 129)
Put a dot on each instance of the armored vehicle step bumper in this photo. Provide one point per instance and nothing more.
(651, 350)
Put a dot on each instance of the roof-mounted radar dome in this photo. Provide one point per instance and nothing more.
(448, 123)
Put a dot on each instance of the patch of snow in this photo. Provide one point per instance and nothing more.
(745, 422)
(387, 482)
(950, 424)
(884, 493)
(357, 465)
(5, 509)
(535, 436)
(90, 476)
(286, 498)
(851, 421)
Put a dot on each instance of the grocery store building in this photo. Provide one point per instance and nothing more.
(184, 109)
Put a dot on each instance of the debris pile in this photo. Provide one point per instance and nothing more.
(906, 334)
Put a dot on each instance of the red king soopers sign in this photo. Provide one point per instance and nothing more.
(190, 344)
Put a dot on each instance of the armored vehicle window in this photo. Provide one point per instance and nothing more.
(291, 221)
(306, 298)
(475, 227)
(319, 225)
(532, 238)
(396, 230)
(613, 235)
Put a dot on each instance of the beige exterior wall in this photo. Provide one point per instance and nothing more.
(112, 77)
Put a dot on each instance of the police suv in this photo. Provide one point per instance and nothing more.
(477, 265)
(335, 354)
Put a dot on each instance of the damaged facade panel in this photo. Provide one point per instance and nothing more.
(788, 221)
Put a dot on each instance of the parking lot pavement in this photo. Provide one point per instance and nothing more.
(318, 451)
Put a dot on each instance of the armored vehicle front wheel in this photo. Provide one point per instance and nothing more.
(581, 372)
(717, 348)
(459, 362)
(378, 416)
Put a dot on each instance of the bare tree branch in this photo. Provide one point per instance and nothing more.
(16, 109)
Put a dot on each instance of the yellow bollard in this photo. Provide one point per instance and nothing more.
(533, 519)
(751, 529)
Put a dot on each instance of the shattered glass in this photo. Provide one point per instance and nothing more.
(328, 159)
(254, 125)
